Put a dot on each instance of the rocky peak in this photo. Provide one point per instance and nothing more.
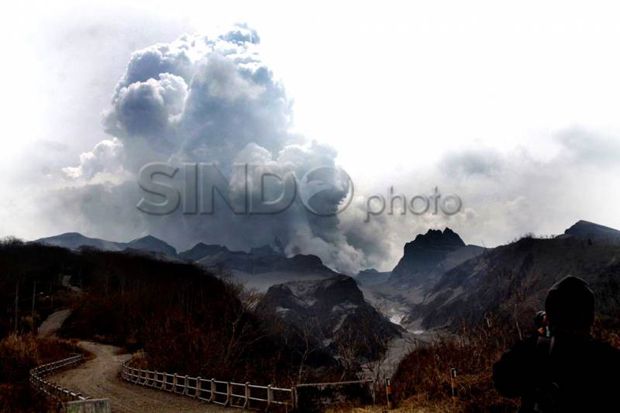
(202, 250)
(152, 244)
(436, 238)
(426, 252)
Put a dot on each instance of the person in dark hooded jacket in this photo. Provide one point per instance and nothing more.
(569, 371)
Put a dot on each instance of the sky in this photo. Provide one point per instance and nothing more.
(511, 106)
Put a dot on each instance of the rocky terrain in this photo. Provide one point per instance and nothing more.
(514, 279)
(333, 314)
(424, 261)
(440, 281)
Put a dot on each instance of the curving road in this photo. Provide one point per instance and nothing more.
(53, 323)
(98, 378)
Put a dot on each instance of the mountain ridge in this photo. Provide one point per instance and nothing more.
(592, 231)
(146, 244)
(425, 255)
(518, 275)
(436, 279)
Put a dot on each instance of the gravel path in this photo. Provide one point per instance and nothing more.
(98, 378)
(53, 323)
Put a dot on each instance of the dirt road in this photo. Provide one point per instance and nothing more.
(53, 323)
(98, 378)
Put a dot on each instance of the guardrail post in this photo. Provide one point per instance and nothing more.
(174, 383)
(452, 382)
(228, 394)
(212, 398)
(247, 395)
(373, 391)
(198, 387)
(185, 386)
(269, 395)
(295, 397)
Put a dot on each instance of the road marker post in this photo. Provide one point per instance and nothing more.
(453, 382)
(388, 394)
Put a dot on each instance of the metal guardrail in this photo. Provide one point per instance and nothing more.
(39, 382)
(224, 393)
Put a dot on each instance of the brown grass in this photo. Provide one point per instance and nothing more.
(423, 380)
(415, 404)
(18, 354)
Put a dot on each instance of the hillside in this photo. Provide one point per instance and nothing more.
(333, 314)
(186, 319)
(514, 279)
(593, 232)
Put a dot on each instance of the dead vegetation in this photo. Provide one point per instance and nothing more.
(18, 354)
(424, 383)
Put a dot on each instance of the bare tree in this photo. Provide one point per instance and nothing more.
(310, 335)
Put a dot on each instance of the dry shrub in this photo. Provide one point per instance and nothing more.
(423, 382)
(139, 360)
(18, 354)
(414, 404)
(424, 376)
(607, 331)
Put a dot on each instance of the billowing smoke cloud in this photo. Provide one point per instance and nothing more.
(212, 99)
(106, 157)
(203, 99)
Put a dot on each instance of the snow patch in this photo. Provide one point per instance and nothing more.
(282, 310)
(346, 306)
